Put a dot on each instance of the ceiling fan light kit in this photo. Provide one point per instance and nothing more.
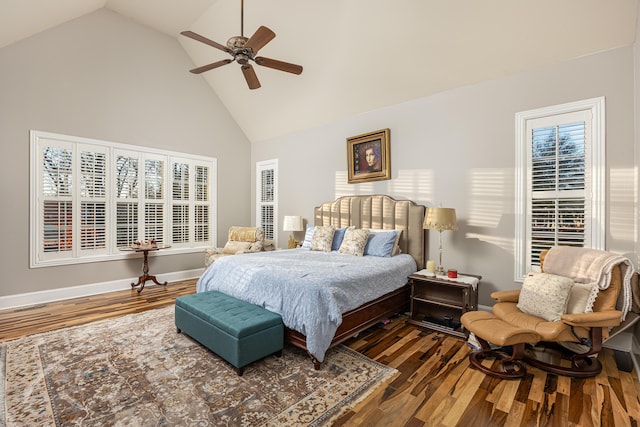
(243, 50)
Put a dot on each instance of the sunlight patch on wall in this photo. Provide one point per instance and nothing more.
(622, 215)
(410, 184)
(508, 244)
(492, 196)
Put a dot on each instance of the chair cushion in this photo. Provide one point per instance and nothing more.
(549, 331)
(545, 295)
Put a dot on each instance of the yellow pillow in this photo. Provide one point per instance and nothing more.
(233, 247)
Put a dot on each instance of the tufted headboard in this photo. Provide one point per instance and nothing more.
(379, 211)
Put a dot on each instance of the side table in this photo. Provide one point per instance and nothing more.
(438, 302)
(145, 249)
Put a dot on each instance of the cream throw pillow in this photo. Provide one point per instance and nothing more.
(355, 239)
(582, 297)
(545, 295)
(322, 238)
(233, 247)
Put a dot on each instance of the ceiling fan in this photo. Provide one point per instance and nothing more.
(243, 50)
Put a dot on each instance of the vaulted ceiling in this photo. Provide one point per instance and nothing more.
(358, 55)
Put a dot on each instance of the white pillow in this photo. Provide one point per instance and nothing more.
(545, 295)
(308, 236)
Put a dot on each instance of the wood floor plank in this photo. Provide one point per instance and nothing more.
(435, 384)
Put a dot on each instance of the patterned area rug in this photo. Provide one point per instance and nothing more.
(137, 370)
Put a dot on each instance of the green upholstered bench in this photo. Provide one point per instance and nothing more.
(237, 331)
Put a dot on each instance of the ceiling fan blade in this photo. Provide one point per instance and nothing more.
(261, 37)
(205, 40)
(210, 66)
(279, 65)
(250, 76)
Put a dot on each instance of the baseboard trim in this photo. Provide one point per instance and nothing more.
(51, 295)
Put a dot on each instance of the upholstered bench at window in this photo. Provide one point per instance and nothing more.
(237, 331)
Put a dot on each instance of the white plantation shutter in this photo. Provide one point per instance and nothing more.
(202, 198)
(127, 180)
(191, 200)
(93, 200)
(126, 223)
(267, 198)
(558, 184)
(154, 200)
(561, 181)
(56, 198)
(90, 198)
(180, 202)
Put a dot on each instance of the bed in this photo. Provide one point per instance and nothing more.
(308, 288)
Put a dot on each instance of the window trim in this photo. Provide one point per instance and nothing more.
(112, 252)
(597, 172)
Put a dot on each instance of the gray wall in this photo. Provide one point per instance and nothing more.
(458, 148)
(105, 77)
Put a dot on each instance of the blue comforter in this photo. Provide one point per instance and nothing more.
(309, 289)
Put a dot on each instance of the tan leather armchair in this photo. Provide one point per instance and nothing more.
(240, 240)
(523, 337)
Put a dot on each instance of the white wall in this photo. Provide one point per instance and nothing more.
(105, 77)
(458, 148)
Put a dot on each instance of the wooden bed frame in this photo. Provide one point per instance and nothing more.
(380, 212)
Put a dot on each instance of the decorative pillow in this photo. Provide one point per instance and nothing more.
(337, 238)
(381, 242)
(322, 238)
(582, 297)
(232, 247)
(354, 241)
(308, 236)
(545, 295)
(256, 246)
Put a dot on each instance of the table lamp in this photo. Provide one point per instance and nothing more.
(292, 223)
(440, 219)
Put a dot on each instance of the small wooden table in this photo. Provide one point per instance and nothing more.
(438, 302)
(145, 249)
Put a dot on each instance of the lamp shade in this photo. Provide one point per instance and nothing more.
(292, 223)
(440, 219)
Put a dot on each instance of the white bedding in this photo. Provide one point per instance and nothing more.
(309, 289)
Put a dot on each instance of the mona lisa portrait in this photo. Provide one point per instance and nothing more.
(368, 157)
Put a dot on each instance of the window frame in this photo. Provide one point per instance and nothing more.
(39, 140)
(595, 171)
(260, 167)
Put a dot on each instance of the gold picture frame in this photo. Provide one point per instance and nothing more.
(368, 157)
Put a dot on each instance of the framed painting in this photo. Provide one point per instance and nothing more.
(368, 157)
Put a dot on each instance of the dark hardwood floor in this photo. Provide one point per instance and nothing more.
(435, 385)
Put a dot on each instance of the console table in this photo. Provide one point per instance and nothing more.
(145, 249)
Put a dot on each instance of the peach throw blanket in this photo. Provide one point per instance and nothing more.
(586, 265)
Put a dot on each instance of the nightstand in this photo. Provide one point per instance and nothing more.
(438, 302)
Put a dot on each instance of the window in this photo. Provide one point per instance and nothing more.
(267, 198)
(560, 180)
(90, 198)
